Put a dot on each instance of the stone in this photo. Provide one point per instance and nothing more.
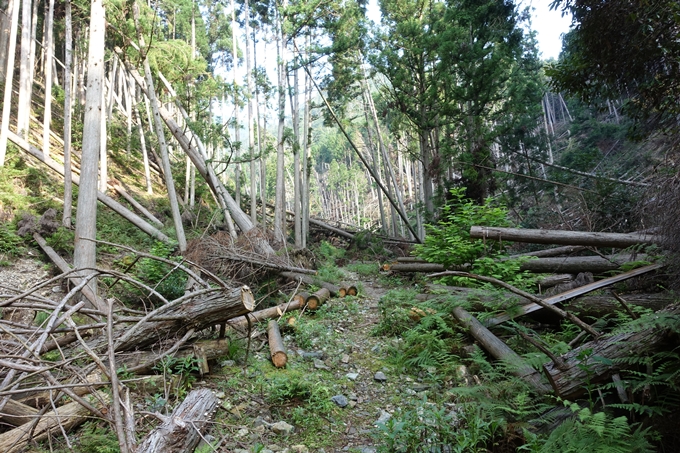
(227, 363)
(344, 358)
(220, 395)
(241, 450)
(282, 428)
(299, 449)
(320, 365)
(275, 448)
(384, 417)
(380, 376)
(241, 432)
(259, 421)
(340, 400)
(352, 376)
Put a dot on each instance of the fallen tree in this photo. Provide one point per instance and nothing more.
(561, 237)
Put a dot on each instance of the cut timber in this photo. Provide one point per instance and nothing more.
(616, 240)
(352, 290)
(182, 430)
(16, 413)
(557, 251)
(314, 301)
(410, 259)
(575, 377)
(141, 362)
(554, 280)
(500, 350)
(306, 279)
(576, 264)
(301, 298)
(526, 309)
(342, 291)
(417, 267)
(194, 313)
(65, 417)
(278, 351)
(261, 315)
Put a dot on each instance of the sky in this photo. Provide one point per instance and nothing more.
(549, 26)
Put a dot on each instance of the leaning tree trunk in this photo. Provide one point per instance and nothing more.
(9, 78)
(49, 44)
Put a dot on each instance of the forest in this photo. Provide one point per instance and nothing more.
(319, 226)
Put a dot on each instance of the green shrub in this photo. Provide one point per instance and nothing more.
(10, 242)
(449, 243)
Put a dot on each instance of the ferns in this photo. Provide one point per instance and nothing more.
(590, 432)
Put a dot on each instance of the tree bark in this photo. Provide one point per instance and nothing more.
(67, 416)
(49, 49)
(577, 264)
(196, 313)
(181, 431)
(13, 9)
(84, 253)
(500, 350)
(306, 279)
(68, 95)
(242, 322)
(616, 240)
(578, 373)
(276, 347)
(138, 206)
(16, 413)
(316, 300)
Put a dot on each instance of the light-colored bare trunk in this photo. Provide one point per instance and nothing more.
(68, 57)
(84, 253)
(251, 131)
(13, 10)
(280, 203)
(160, 134)
(49, 49)
(25, 77)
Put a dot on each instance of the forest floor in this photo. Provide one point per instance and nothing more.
(337, 387)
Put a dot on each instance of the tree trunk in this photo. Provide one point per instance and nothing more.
(306, 279)
(616, 240)
(280, 200)
(65, 417)
(181, 431)
(500, 350)
(13, 10)
(160, 135)
(576, 264)
(84, 253)
(68, 110)
(316, 300)
(195, 313)
(251, 128)
(580, 372)
(276, 347)
(49, 49)
(16, 413)
(26, 72)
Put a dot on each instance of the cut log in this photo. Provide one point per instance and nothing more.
(410, 259)
(576, 264)
(301, 298)
(500, 350)
(570, 294)
(67, 416)
(306, 279)
(352, 290)
(554, 280)
(561, 237)
(342, 291)
(599, 306)
(183, 429)
(16, 413)
(557, 251)
(195, 313)
(316, 300)
(276, 347)
(144, 361)
(242, 323)
(417, 267)
(572, 381)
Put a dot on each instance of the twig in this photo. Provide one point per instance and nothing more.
(113, 377)
(625, 305)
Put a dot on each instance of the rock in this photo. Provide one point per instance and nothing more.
(376, 349)
(340, 400)
(241, 432)
(384, 417)
(227, 363)
(380, 376)
(344, 358)
(310, 355)
(352, 376)
(320, 365)
(275, 448)
(259, 421)
(241, 450)
(282, 428)
(299, 449)
(352, 404)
